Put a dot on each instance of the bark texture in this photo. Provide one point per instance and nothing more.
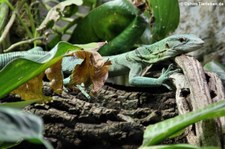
(195, 90)
(114, 119)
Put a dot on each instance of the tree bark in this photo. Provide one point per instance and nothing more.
(114, 119)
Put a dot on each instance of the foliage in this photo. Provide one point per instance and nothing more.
(177, 146)
(162, 130)
(18, 126)
(20, 70)
(165, 18)
(19, 104)
(63, 9)
(3, 13)
(126, 39)
(94, 70)
(216, 67)
(53, 59)
(117, 22)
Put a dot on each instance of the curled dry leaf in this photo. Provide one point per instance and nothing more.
(93, 70)
(55, 76)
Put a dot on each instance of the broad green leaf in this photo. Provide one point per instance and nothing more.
(165, 19)
(217, 68)
(126, 39)
(104, 22)
(19, 104)
(17, 126)
(107, 22)
(64, 8)
(177, 146)
(162, 130)
(21, 70)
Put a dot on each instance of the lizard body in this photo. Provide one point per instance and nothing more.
(36, 52)
(132, 62)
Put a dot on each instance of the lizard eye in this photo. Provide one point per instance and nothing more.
(167, 45)
(181, 39)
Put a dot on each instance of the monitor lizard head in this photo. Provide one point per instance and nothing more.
(182, 43)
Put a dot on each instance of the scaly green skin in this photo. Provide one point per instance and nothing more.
(134, 62)
(33, 54)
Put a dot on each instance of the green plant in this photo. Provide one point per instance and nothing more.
(121, 24)
(156, 133)
(21, 70)
(16, 126)
(166, 16)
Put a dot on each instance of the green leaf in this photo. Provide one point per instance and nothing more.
(16, 125)
(162, 130)
(19, 104)
(104, 22)
(21, 70)
(166, 18)
(177, 146)
(126, 39)
(217, 68)
(118, 19)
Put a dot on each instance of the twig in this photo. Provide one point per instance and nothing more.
(7, 27)
(22, 42)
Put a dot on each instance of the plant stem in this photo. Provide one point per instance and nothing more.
(68, 26)
(22, 42)
(9, 4)
(30, 17)
(7, 27)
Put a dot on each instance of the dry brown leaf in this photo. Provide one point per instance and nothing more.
(32, 89)
(55, 76)
(93, 70)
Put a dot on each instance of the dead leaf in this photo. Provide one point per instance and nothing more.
(93, 70)
(32, 89)
(55, 76)
(56, 12)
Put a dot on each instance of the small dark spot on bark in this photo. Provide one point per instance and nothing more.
(184, 92)
(207, 77)
(212, 94)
